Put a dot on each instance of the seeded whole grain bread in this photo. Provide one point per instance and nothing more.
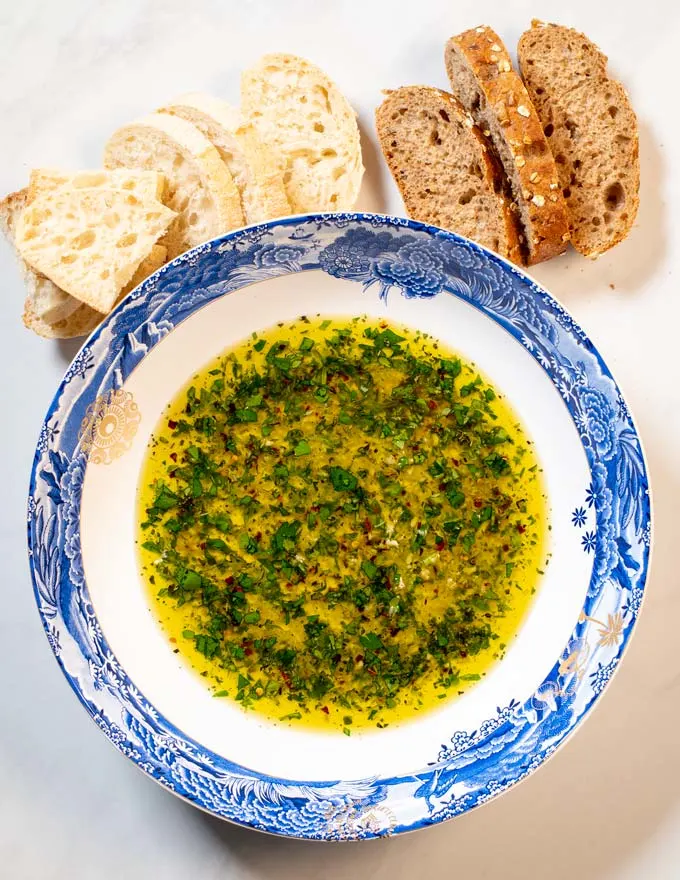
(592, 131)
(484, 81)
(554, 59)
(444, 171)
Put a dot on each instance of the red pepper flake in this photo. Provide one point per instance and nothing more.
(442, 486)
(203, 545)
(173, 456)
(367, 525)
(478, 503)
(229, 580)
(431, 404)
(248, 651)
(171, 474)
(521, 529)
(325, 710)
(454, 461)
(286, 679)
(439, 545)
(359, 658)
(172, 424)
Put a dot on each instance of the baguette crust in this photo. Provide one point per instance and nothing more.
(500, 106)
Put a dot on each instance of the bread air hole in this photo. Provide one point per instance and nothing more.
(177, 162)
(127, 240)
(596, 221)
(193, 218)
(318, 126)
(559, 158)
(476, 171)
(104, 275)
(69, 258)
(539, 91)
(614, 197)
(612, 110)
(84, 240)
(549, 130)
(112, 219)
(435, 140)
(444, 115)
(57, 240)
(467, 197)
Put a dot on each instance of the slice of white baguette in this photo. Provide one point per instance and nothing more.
(302, 114)
(200, 188)
(47, 301)
(90, 242)
(48, 310)
(140, 184)
(253, 165)
(84, 319)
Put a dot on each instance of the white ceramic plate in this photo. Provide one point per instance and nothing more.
(82, 527)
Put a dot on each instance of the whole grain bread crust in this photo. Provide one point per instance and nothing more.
(546, 225)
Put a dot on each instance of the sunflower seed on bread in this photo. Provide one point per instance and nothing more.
(592, 131)
(440, 162)
(484, 81)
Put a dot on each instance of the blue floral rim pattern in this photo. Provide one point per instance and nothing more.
(399, 257)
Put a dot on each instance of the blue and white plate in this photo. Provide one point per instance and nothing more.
(81, 528)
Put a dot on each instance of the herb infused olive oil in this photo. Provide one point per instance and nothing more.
(341, 523)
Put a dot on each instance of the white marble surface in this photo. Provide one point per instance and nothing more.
(608, 804)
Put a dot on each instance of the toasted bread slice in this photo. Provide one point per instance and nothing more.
(592, 131)
(484, 81)
(253, 165)
(443, 168)
(200, 188)
(306, 120)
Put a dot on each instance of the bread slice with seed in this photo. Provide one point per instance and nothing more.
(592, 131)
(441, 164)
(89, 242)
(554, 59)
(201, 189)
(484, 81)
(309, 123)
(254, 166)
